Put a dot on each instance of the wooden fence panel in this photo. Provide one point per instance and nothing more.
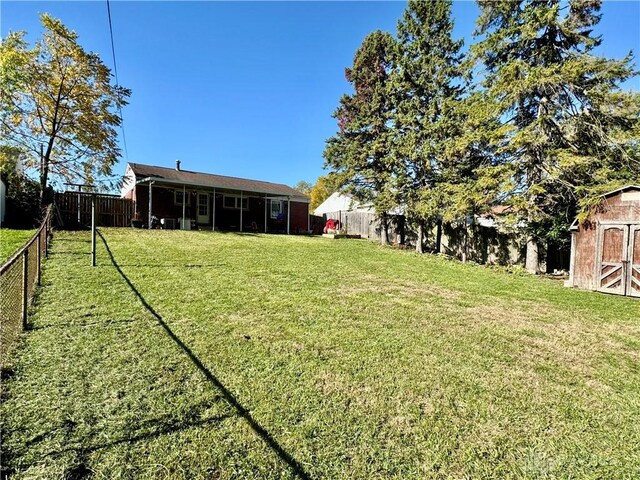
(111, 210)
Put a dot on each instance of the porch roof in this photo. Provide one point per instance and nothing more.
(172, 176)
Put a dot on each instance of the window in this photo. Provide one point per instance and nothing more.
(276, 208)
(178, 196)
(203, 204)
(229, 202)
(233, 202)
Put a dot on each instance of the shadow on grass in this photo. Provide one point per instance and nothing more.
(242, 411)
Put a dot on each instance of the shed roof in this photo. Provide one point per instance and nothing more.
(186, 177)
(621, 189)
(574, 226)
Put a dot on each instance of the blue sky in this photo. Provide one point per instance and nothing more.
(247, 88)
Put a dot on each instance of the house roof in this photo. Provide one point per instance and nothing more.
(336, 202)
(186, 177)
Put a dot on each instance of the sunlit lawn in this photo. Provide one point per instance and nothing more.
(11, 240)
(253, 356)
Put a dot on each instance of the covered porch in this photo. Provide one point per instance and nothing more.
(187, 206)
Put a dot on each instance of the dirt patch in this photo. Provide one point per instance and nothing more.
(368, 284)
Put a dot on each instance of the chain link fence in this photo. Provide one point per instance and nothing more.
(19, 277)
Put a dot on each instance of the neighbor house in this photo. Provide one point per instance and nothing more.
(204, 200)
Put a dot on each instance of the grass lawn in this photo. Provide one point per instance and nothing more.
(208, 355)
(11, 240)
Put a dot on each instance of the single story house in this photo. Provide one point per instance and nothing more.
(206, 200)
(605, 248)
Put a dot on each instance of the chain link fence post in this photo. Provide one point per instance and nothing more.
(25, 287)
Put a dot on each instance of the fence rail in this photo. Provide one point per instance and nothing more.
(19, 277)
(111, 210)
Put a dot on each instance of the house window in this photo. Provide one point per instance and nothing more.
(233, 202)
(276, 208)
(229, 202)
(203, 205)
(178, 196)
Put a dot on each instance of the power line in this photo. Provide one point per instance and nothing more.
(115, 70)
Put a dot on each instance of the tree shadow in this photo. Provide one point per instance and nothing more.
(241, 410)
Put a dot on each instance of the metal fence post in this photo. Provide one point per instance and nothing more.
(39, 257)
(46, 239)
(25, 287)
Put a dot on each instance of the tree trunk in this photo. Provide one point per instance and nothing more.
(420, 234)
(439, 235)
(532, 261)
(44, 178)
(384, 230)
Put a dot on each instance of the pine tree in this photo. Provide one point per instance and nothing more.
(568, 132)
(429, 84)
(360, 151)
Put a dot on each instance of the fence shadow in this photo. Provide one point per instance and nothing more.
(241, 410)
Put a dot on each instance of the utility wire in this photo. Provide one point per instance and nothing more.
(115, 69)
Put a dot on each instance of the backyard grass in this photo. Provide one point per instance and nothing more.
(11, 240)
(208, 355)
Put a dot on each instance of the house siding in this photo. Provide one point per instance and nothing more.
(299, 221)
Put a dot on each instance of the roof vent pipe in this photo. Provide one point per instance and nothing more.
(178, 165)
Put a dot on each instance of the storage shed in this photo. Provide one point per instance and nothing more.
(605, 249)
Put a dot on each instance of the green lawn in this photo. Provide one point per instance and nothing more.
(208, 355)
(11, 240)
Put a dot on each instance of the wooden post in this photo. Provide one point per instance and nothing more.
(39, 256)
(265, 212)
(25, 287)
(151, 203)
(308, 219)
(93, 230)
(241, 210)
(288, 214)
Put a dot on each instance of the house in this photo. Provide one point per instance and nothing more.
(605, 248)
(211, 201)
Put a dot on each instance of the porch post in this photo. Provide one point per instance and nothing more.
(241, 210)
(213, 219)
(308, 219)
(150, 202)
(288, 214)
(184, 203)
(265, 213)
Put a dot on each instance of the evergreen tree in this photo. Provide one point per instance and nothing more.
(568, 133)
(360, 151)
(429, 83)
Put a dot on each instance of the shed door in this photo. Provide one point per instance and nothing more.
(614, 247)
(633, 282)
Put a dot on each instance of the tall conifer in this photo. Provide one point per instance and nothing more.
(569, 132)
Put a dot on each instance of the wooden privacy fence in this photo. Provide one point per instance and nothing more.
(19, 277)
(111, 210)
(365, 224)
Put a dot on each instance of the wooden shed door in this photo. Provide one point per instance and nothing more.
(612, 259)
(633, 281)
